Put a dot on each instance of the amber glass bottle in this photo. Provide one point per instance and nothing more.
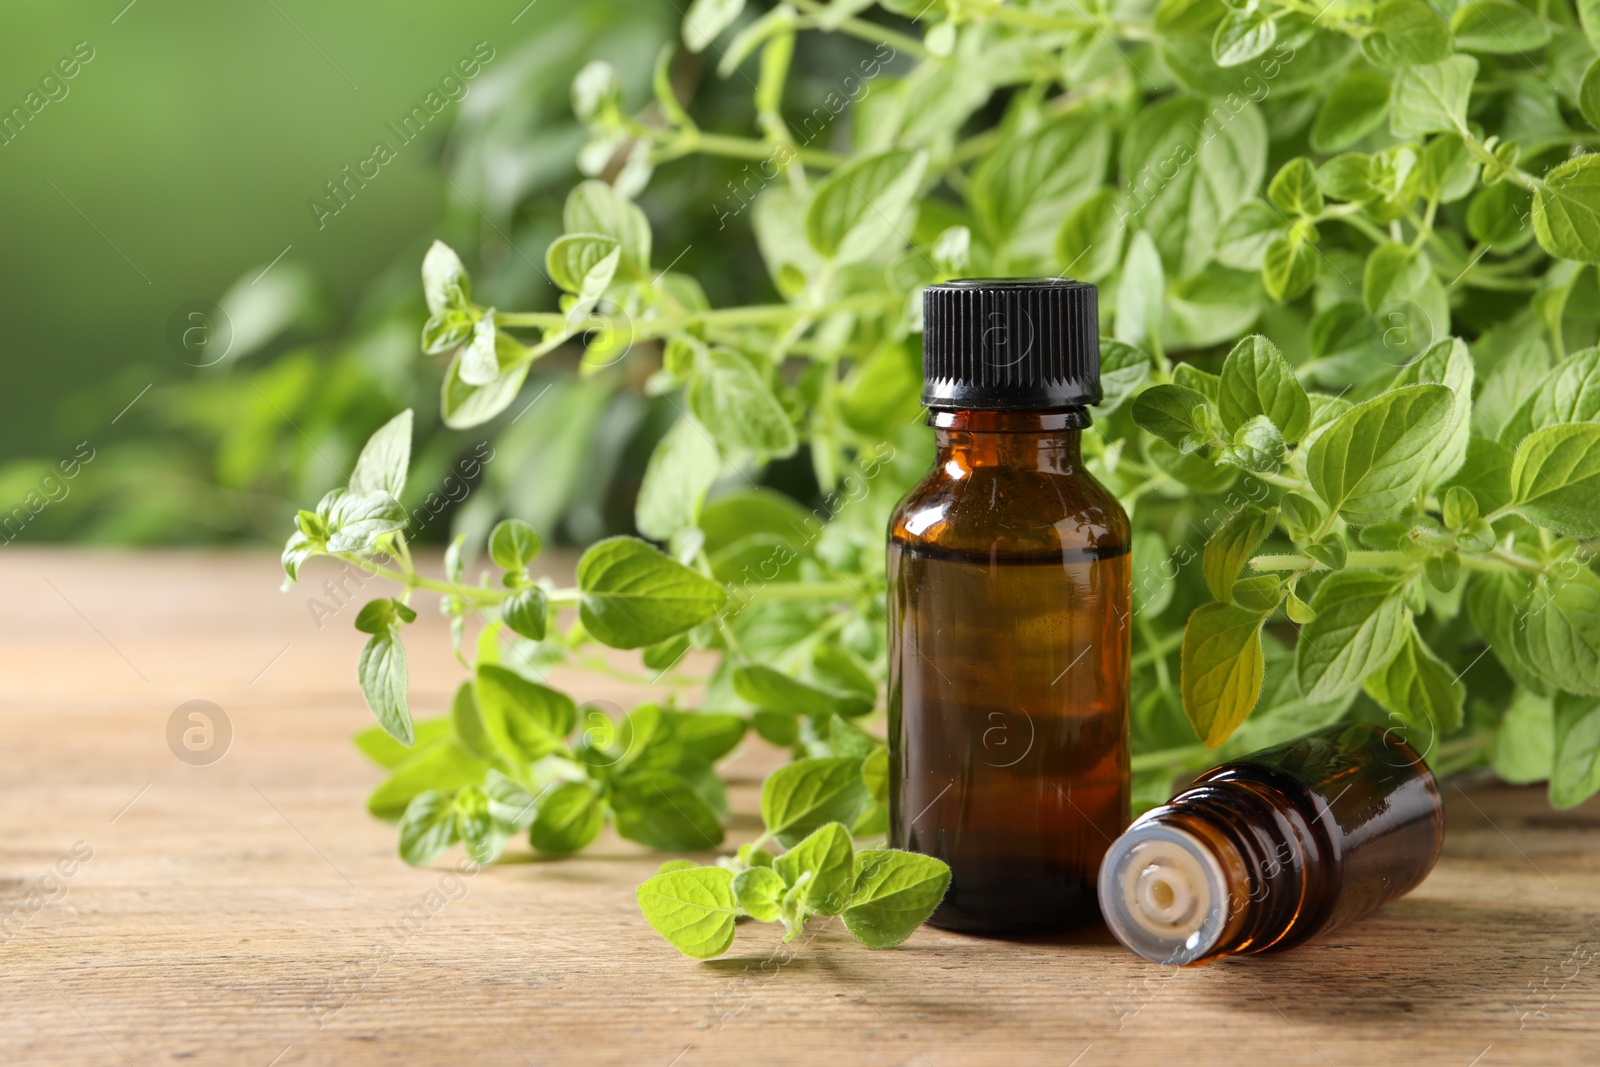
(1269, 850)
(1008, 615)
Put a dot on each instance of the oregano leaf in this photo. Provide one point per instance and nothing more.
(1258, 380)
(1562, 622)
(894, 893)
(568, 819)
(825, 862)
(513, 544)
(759, 891)
(1222, 668)
(1374, 456)
(694, 909)
(1355, 106)
(1432, 98)
(681, 470)
(1566, 209)
(861, 206)
(1419, 689)
(428, 827)
(736, 406)
(1177, 415)
(445, 284)
(381, 672)
(385, 458)
(1234, 542)
(596, 207)
(633, 595)
(1498, 27)
(1406, 33)
(661, 810)
(1575, 767)
(1555, 479)
(808, 793)
(1360, 625)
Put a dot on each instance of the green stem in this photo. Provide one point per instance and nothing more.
(805, 591)
(1027, 19)
(599, 665)
(798, 652)
(1317, 15)
(979, 144)
(1297, 562)
(1508, 285)
(1519, 263)
(1368, 230)
(1163, 679)
(1497, 559)
(647, 329)
(1283, 481)
(1425, 230)
(477, 594)
(1460, 753)
(1481, 153)
(1325, 529)
(1514, 560)
(730, 637)
(1451, 262)
(560, 598)
(1158, 648)
(543, 320)
(1167, 757)
(405, 553)
(859, 28)
(761, 314)
(679, 143)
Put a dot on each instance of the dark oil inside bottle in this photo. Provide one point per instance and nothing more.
(1009, 575)
(1360, 814)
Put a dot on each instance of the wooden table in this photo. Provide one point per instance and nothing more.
(250, 912)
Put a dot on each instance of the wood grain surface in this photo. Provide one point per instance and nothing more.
(249, 911)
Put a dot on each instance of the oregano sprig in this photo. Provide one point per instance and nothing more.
(1350, 403)
(882, 894)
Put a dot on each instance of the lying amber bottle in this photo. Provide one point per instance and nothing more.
(1269, 850)
(1008, 601)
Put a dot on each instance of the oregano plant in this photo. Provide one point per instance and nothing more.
(1351, 407)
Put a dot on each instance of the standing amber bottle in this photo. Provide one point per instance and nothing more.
(1269, 850)
(1008, 601)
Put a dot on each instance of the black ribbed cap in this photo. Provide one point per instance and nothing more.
(1011, 344)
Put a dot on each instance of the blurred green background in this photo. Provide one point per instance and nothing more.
(181, 162)
(192, 141)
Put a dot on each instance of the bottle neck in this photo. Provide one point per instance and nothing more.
(1223, 868)
(1027, 440)
(1276, 861)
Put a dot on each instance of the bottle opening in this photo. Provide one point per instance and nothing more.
(1164, 894)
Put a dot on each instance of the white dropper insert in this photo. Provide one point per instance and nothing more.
(1163, 893)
